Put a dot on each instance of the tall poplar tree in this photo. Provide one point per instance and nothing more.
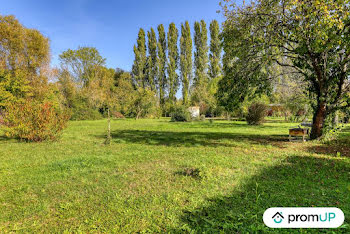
(139, 66)
(201, 52)
(173, 60)
(186, 60)
(152, 59)
(215, 50)
(200, 62)
(162, 60)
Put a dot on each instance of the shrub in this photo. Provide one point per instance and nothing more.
(256, 113)
(145, 104)
(180, 114)
(86, 114)
(32, 121)
(81, 110)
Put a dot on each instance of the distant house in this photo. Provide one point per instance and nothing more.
(194, 110)
(274, 108)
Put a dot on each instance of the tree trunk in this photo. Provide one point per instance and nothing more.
(109, 124)
(109, 137)
(138, 113)
(318, 121)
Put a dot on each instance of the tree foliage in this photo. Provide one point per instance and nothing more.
(256, 113)
(201, 53)
(198, 78)
(22, 48)
(14, 88)
(24, 61)
(125, 94)
(173, 61)
(29, 103)
(201, 78)
(145, 104)
(215, 50)
(82, 64)
(186, 61)
(309, 37)
(162, 62)
(32, 121)
(152, 67)
(139, 66)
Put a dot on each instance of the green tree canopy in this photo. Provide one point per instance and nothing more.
(22, 48)
(173, 61)
(186, 60)
(162, 62)
(24, 62)
(201, 78)
(140, 61)
(82, 64)
(152, 73)
(215, 50)
(309, 37)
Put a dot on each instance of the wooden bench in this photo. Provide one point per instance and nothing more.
(298, 132)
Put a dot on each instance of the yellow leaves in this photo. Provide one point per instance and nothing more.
(22, 48)
(318, 19)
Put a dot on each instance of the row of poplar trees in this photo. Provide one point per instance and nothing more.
(164, 62)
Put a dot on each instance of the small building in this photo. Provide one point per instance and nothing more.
(274, 109)
(194, 110)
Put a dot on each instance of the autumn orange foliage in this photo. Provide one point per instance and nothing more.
(33, 121)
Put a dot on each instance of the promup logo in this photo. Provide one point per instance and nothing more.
(278, 217)
(303, 217)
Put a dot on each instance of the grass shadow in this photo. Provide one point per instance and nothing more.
(295, 182)
(3, 138)
(188, 139)
(232, 124)
(194, 173)
(331, 150)
(339, 146)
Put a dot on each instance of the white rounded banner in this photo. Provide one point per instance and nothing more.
(303, 217)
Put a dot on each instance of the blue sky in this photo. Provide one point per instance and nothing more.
(110, 26)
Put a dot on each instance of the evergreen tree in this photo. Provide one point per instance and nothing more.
(162, 60)
(186, 60)
(152, 59)
(139, 65)
(215, 50)
(173, 60)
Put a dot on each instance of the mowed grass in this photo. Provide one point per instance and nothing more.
(158, 176)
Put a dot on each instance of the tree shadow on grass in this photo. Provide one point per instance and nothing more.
(296, 182)
(331, 150)
(339, 146)
(188, 139)
(3, 138)
(233, 124)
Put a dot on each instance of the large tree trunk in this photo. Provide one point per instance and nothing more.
(318, 121)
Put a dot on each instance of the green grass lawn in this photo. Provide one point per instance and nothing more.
(158, 176)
